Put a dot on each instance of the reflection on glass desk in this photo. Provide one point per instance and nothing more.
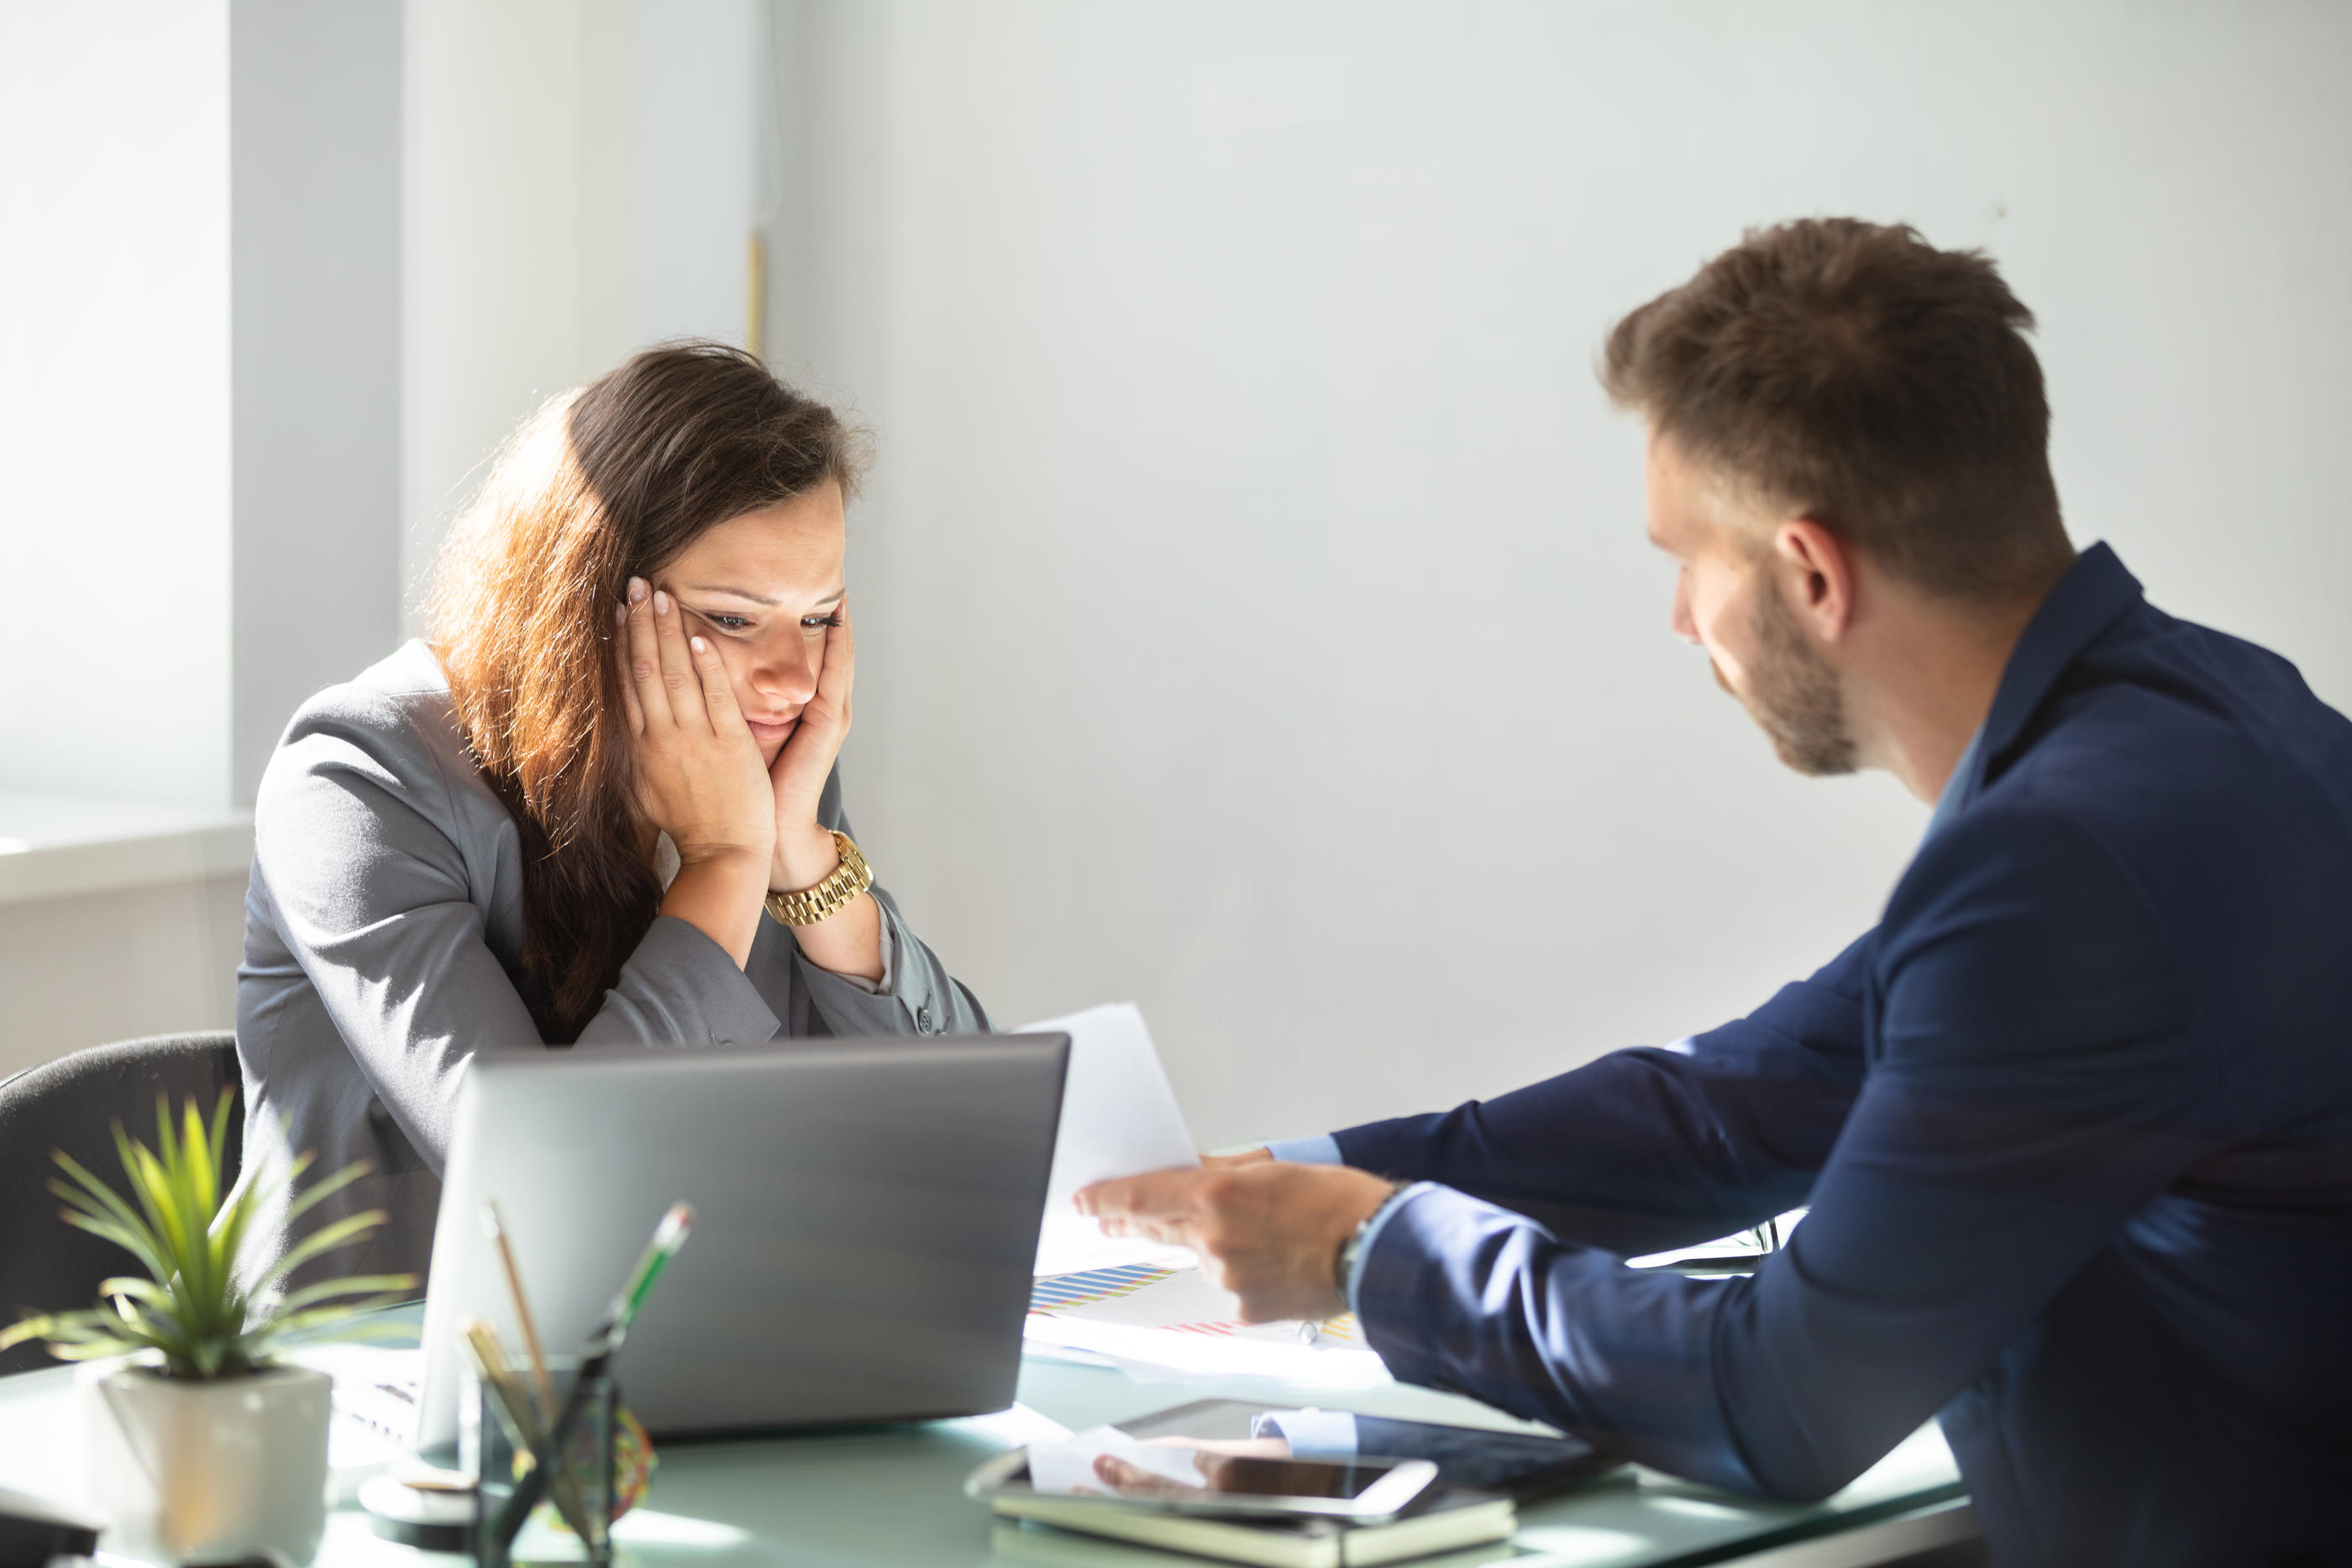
(887, 1497)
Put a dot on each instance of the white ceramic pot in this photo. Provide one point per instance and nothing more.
(208, 1472)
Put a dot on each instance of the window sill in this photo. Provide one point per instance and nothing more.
(57, 847)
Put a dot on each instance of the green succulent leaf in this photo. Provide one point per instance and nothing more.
(355, 1285)
(327, 1188)
(29, 1328)
(369, 1327)
(219, 1141)
(106, 1230)
(138, 1290)
(326, 1239)
(95, 1199)
(95, 1349)
(319, 1317)
(203, 1172)
(136, 1159)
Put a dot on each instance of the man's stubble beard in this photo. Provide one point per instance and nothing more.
(1793, 695)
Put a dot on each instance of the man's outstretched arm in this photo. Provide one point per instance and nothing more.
(1654, 1147)
(2035, 1091)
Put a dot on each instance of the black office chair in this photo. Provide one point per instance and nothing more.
(47, 1265)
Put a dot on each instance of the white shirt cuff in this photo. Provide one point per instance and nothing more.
(1311, 1434)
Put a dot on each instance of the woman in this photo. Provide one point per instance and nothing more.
(598, 803)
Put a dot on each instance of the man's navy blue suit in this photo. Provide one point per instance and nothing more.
(2075, 1122)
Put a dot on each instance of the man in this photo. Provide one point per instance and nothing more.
(2074, 1120)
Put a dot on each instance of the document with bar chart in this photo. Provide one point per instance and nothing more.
(1170, 1317)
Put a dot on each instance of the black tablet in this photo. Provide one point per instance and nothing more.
(1523, 1466)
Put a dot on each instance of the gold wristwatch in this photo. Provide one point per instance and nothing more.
(810, 904)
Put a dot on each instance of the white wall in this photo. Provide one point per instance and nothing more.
(314, 136)
(199, 317)
(114, 436)
(578, 184)
(1255, 613)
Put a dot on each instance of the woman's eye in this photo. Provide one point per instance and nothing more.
(730, 622)
(819, 622)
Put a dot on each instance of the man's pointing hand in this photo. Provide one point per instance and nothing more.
(1268, 1231)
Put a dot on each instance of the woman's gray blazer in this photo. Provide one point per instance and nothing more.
(384, 918)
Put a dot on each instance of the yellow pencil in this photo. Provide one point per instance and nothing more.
(497, 1233)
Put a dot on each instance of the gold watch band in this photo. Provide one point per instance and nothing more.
(810, 904)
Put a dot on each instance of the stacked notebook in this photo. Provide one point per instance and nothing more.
(1467, 1512)
(1445, 1519)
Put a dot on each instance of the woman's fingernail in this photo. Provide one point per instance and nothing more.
(661, 602)
(620, 615)
(636, 589)
(699, 646)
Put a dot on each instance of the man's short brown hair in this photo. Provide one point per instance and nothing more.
(1852, 373)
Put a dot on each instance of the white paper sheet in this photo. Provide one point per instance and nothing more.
(1068, 1468)
(1071, 1244)
(1119, 1116)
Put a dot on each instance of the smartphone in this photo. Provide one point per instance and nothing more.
(1214, 1479)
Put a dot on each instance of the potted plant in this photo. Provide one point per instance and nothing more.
(203, 1447)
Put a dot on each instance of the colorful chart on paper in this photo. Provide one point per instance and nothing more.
(1094, 1287)
(1063, 1291)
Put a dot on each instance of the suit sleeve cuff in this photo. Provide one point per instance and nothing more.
(1322, 1149)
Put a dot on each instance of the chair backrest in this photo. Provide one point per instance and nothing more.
(72, 1104)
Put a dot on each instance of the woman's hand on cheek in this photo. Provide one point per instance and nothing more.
(697, 766)
(806, 854)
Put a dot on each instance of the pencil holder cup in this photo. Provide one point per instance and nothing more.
(549, 1475)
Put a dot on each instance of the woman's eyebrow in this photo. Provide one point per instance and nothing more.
(736, 592)
(836, 596)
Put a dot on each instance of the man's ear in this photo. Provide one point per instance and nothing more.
(1817, 576)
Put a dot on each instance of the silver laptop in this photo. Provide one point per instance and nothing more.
(866, 1215)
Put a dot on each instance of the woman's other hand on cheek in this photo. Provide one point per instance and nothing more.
(849, 941)
(806, 854)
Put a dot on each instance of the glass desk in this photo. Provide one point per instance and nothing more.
(892, 1496)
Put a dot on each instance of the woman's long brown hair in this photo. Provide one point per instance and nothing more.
(602, 484)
